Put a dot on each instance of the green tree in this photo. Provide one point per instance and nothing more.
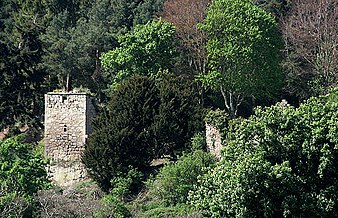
(179, 116)
(122, 135)
(22, 174)
(143, 120)
(148, 50)
(147, 10)
(280, 162)
(80, 30)
(21, 79)
(74, 40)
(243, 49)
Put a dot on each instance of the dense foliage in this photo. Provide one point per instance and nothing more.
(279, 162)
(80, 31)
(243, 50)
(174, 181)
(21, 90)
(148, 50)
(166, 193)
(278, 8)
(42, 43)
(122, 134)
(143, 121)
(179, 117)
(22, 173)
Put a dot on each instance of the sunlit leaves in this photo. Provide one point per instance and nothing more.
(148, 50)
(279, 162)
(243, 50)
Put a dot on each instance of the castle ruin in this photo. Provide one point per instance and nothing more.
(67, 125)
(213, 140)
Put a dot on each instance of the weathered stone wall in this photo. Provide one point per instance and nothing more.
(67, 173)
(213, 139)
(67, 125)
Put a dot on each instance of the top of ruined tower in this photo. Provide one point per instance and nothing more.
(80, 91)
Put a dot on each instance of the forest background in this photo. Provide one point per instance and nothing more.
(171, 61)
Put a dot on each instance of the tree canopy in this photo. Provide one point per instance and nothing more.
(73, 43)
(144, 120)
(280, 162)
(21, 79)
(42, 42)
(243, 49)
(148, 50)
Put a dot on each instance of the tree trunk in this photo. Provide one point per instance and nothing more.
(68, 83)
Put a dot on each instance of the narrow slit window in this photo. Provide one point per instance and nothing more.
(64, 98)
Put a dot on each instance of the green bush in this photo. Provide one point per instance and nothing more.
(174, 181)
(22, 174)
(123, 185)
(159, 211)
(280, 162)
(166, 194)
(198, 142)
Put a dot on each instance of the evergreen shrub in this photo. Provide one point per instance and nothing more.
(144, 120)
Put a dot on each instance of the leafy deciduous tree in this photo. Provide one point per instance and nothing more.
(243, 49)
(148, 50)
(280, 162)
(22, 173)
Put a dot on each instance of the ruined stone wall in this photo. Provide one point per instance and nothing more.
(67, 125)
(213, 139)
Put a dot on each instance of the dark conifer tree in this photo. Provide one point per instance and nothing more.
(21, 79)
(80, 31)
(123, 134)
(144, 120)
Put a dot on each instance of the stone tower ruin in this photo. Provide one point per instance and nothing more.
(67, 125)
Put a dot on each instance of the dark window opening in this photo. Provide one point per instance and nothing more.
(65, 128)
(64, 98)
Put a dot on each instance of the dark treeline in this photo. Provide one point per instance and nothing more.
(44, 43)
